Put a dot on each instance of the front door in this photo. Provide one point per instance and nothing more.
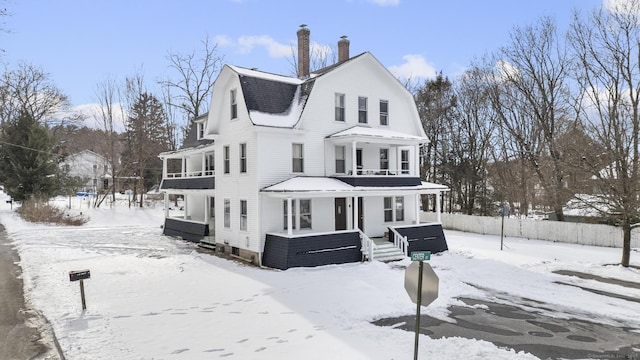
(359, 161)
(341, 213)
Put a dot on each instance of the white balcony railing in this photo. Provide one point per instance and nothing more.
(198, 173)
(381, 172)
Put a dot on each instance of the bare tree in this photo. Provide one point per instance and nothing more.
(195, 76)
(110, 109)
(607, 52)
(28, 88)
(534, 82)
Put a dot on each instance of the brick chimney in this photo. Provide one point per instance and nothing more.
(343, 49)
(303, 51)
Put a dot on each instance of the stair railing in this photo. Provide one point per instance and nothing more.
(367, 246)
(400, 241)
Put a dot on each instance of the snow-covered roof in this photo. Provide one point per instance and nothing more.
(372, 134)
(265, 75)
(327, 187)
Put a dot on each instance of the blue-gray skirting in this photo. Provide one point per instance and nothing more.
(189, 183)
(187, 230)
(282, 252)
(427, 237)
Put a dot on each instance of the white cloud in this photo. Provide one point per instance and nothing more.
(222, 40)
(415, 66)
(91, 113)
(276, 50)
(385, 2)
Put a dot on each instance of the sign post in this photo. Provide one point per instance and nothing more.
(80, 275)
(421, 283)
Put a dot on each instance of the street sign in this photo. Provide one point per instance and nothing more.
(421, 284)
(420, 255)
(429, 288)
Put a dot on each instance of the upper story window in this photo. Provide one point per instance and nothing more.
(384, 159)
(200, 127)
(297, 152)
(209, 163)
(234, 104)
(404, 161)
(362, 110)
(340, 163)
(225, 158)
(243, 158)
(384, 112)
(339, 105)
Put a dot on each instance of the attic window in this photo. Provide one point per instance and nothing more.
(234, 104)
(200, 130)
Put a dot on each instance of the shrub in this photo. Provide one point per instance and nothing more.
(42, 212)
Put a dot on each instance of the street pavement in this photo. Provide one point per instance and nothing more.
(18, 339)
(527, 330)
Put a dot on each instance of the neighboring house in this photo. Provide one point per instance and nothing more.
(305, 171)
(91, 167)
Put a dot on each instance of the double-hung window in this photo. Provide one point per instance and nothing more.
(393, 209)
(200, 127)
(384, 159)
(384, 112)
(340, 162)
(301, 207)
(226, 160)
(227, 213)
(234, 104)
(243, 215)
(243, 158)
(404, 161)
(297, 156)
(339, 106)
(209, 164)
(362, 110)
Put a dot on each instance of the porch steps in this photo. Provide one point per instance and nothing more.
(387, 252)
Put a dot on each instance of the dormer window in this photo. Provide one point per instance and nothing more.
(234, 104)
(200, 127)
(339, 106)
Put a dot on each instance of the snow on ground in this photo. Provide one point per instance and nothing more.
(154, 297)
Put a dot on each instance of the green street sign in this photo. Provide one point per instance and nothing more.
(420, 255)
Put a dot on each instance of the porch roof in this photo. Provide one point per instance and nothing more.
(330, 187)
(368, 134)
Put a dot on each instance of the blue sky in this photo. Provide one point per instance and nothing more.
(80, 43)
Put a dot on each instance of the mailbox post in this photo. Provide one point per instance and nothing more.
(80, 275)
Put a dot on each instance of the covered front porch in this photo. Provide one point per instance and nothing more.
(324, 209)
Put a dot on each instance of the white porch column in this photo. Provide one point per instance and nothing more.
(289, 217)
(166, 205)
(417, 209)
(356, 216)
(203, 167)
(183, 167)
(416, 161)
(186, 205)
(164, 168)
(354, 166)
(438, 219)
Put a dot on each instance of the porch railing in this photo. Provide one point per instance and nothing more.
(381, 172)
(400, 241)
(367, 246)
(191, 174)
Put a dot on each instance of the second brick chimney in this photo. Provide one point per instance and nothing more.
(303, 51)
(343, 49)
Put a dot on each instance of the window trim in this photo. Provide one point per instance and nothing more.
(227, 214)
(342, 160)
(233, 103)
(404, 162)
(396, 208)
(200, 130)
(226, 154)
(387, 209)
(243, 215)
(362, 111)
(339, 107)
(384, 115)
(300, 159)
(242, 154)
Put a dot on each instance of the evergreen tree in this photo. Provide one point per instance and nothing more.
(146, 137)
(28, 168)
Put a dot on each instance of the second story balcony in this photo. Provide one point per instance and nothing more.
(188, 171)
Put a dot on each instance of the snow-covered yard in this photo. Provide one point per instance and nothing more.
(154, 297)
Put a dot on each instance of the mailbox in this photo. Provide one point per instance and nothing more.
(79, 275)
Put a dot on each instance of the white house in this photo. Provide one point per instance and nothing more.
(91, 167)
(303, 171)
